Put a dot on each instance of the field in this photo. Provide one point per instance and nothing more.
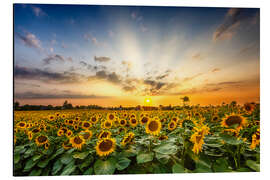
(195, 139)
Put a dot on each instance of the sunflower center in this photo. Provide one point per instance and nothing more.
(94, 119)
(21, 124)
(153, 125)
(232, 120)
(111, 116)
(122, 122)
(144, 120)
(42, 139)
(35, 130)
(86, 125)
(105, 145)
(86, 135)
(133, 121)
(78, 140)
(107, 124)
(172, 125)
(105, 134)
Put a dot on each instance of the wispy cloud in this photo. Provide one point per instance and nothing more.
(62, 95)
(233, 18)
(38, 11)
(55, 58)
(30, 40)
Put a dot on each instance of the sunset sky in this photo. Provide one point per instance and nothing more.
(119, 55)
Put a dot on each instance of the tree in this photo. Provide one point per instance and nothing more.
(16, 105)
(185, 99)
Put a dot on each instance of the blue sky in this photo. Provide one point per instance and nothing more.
(97, 54)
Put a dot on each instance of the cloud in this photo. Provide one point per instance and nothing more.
(30, 40)
(215, 70)
(103, 75)
(63, 95)
(102, 59)
(38, 11)
(197, 56)
(46, 76)
(192, 77)
(231, 22)
(89, 37)
(56, 58)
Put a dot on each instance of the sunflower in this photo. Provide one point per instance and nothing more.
(70, 122)
(41, 139)
(133, 122)
(123, 122)
(128, 138)
(144, 119)
(172, 125)
(21, 125)
(60, 132)
(105, 146)
(86, 125)
(235, 121)
(249, 107)
(162, 137)
(77, 141)
(153, 127)
(110, 116)
(198, 140)
(30, 135)
(104, 134)
(46, 146)
(255, 139)
(51, 117)
(215, 118)
(66, 145)
(36, 130)
(75, 127)
(175, 119)
(63, 116)
(107, 124)
(94, 119)
(121, 130)
(69, 133)
(87, 134)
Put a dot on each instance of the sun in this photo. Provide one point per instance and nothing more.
(147, 101)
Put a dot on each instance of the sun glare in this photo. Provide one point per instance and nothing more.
(147, 101)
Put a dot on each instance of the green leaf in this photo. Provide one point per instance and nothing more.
(86, 162)
(35, 172)
(44, 163)
(162, 158)
(221, 165)
(57, 167)
(67, 158)
(144, 157)
(68, 169)
(122, 163)
(231, 139)
(253, 165)
(82, 155)
(105, 167)
(16, 158)
(178, 168)
(58, 152)
(20, 149)
(89, 171)
(36, 157)
(166, 148)
(29, 164)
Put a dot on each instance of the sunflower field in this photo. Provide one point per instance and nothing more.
(194, 139)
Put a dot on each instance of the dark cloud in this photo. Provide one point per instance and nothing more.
(129, 88)
(102, 59)
(233, 18)
(45, 76)
(104, 75)
(67, 94)
(56, 58)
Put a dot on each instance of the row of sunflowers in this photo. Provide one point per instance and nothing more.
(223, 138)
